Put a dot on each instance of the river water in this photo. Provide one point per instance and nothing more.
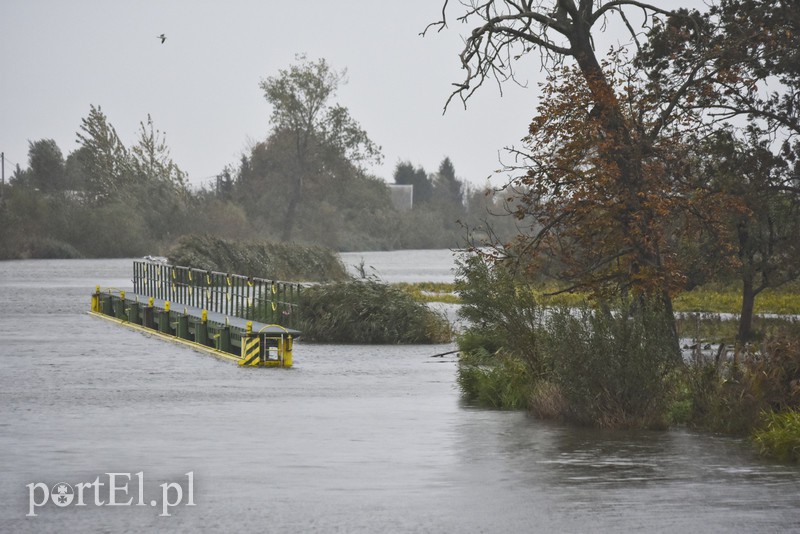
(351, 439)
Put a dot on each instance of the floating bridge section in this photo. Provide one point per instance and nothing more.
(243, 319)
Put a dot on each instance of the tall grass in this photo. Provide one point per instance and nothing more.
(780, 435)
(276, 261)
(494, 380)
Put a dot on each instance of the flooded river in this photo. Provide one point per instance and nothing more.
(351, 439)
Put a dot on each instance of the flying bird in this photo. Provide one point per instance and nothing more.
(162, 37)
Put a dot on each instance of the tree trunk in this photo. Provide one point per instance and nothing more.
(669, 312)
(291, 212)
(745, 333)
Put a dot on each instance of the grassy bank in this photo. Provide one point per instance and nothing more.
(782, 301)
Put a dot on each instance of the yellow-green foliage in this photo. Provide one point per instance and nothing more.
(729, 300)
(494, 380)
(780, 436)
(430, 291)
(783, 301)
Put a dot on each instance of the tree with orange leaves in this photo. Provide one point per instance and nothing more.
(599, 149)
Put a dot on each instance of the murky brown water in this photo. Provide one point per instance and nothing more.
(352, 439)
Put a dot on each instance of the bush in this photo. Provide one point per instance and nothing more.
(114, 230)
(724, 401)
(613, 368)
(547, 402)
(368, 311)
(607, 368)
(780, 436)
(502, 312)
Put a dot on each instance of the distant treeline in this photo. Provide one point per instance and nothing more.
(305, 183)
(108, 200)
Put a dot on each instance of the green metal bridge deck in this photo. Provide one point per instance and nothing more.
(245, 319)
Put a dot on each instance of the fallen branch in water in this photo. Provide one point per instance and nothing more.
(445, 353)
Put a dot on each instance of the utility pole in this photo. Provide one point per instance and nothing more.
(3, 167)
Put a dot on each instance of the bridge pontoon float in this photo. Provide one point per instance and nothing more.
(238, 318)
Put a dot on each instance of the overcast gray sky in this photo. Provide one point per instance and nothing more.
(201, 86)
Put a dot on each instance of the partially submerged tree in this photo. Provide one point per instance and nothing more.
(609, 150)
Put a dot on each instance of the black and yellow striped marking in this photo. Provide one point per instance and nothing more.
(251, 350)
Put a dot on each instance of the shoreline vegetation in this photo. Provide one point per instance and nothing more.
(623, 363)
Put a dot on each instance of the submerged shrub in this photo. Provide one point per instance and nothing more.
(724, 400)
(547, 402)
(368, 311)
(601, 367)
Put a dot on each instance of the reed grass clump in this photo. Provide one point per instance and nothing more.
(494, 380)
(275, 261)
(779, 436)
(368, 312)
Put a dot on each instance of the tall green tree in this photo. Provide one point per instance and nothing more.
(151, 160)
(406, 174)
(158, 185)
(46, 166)
(448, 189)
(106, 161)
(320, 130)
